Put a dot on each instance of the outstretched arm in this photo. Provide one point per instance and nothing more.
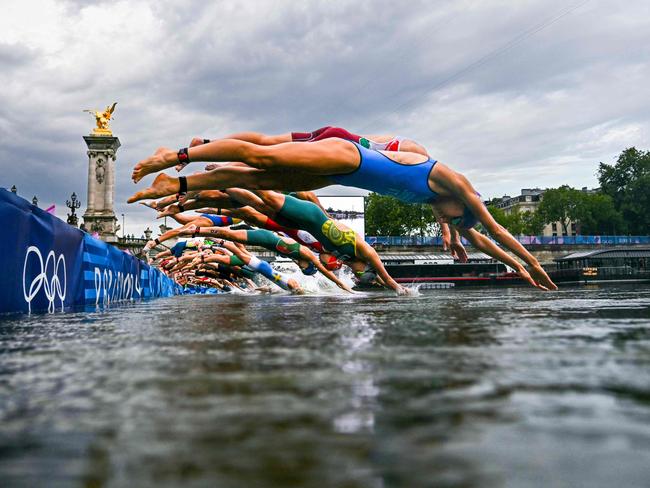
(484, 244)
(456, 246)
(326, 272)
(462, 188)
(369, 255)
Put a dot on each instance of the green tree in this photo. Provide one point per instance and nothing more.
(498, 215)
(532, 224)
(387, 216)
(627, 183)
(562, 205)
(517, 223)
(598, 215)
(594, 213)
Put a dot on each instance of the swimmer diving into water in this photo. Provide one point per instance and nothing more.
(450, 237)
(410, 177)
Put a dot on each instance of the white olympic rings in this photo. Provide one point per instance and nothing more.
(52, 285)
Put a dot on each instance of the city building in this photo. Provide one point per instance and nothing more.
(528, 201)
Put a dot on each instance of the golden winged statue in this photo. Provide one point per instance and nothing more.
(103, 119)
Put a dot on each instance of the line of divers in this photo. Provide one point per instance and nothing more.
(257, 191)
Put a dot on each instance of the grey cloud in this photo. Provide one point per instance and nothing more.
(13, 56)
(542, 113)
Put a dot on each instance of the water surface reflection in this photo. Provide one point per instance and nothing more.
(452, 388)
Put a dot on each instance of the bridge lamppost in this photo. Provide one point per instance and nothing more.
(73, 204)
(123, 228)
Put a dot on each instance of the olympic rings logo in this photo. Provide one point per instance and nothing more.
(52, 285)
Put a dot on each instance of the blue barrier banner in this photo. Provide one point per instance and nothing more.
(48, 265)
(525, 240)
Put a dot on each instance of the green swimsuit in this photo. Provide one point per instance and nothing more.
(310, 217)
(273, 242)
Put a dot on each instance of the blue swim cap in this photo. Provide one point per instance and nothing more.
(310, 269)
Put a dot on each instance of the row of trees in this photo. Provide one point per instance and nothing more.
(387, 216)
(594, 213)
(627, 183)
(621, 206)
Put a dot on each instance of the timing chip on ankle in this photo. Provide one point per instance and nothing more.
(182, 185)
(183, 156)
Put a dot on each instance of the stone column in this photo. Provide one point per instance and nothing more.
(91, 186)
(100, 216)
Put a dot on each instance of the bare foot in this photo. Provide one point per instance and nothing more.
(162, 186)
(163, 158)
(170, 210)
(149, 246)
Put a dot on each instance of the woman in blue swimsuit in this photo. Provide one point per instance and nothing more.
(297, 166)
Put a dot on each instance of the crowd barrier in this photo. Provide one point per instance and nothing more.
(525, 240)
(48, 265)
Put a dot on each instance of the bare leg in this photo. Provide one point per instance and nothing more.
(272, 199)
(233, 176)
(186, 219)
(330, 156)
(214, 198)
(216, 232)
(248, 215)
(261, 139)
(254, 200)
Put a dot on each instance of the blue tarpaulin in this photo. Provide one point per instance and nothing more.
(47, 265)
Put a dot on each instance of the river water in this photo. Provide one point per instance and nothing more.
(464, 388)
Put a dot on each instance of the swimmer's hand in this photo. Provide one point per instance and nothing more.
(458, 251)
(537, 277)
(446, 236)
(401, 291)
(542, 279)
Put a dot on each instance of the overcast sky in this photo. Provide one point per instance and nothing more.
(514, 94)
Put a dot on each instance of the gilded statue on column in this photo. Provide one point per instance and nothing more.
(102, 119)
